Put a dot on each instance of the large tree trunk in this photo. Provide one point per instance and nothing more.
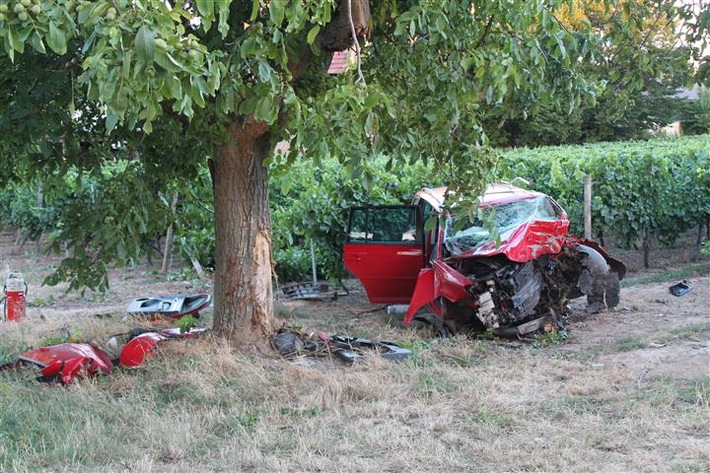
(243, 304)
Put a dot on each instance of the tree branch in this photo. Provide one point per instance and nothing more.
(485, 33)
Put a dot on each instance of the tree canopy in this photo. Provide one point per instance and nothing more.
(644, 60)
(166, 86)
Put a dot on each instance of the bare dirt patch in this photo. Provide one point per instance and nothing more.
(652, 332)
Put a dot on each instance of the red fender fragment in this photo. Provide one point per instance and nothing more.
(52, 369)
(134, 354)
(70, 360)
(449, 283)
(137, 350)
(423, 293)
(74, 368)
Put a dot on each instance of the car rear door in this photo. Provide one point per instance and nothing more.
(384, 250)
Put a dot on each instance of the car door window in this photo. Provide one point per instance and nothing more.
(385, 225)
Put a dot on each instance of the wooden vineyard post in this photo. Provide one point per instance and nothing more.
(588, 207)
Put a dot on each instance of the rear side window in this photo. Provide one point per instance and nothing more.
(395, 225)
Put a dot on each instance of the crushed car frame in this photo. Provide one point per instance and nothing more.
(512, 267)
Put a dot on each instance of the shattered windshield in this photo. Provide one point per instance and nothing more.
(502, 218)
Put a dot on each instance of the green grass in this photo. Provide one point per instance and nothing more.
(671, 275)
(692, 332)
(660, 338)
(629, 344)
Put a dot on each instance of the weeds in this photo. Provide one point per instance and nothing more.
(70, 336)
(547, 339)
(301, 412)
(672, 275)
(676, 393)
(186, 323)
(697, 393)
(691, 330)
(37, 301)
(629, 344)
(486, 416)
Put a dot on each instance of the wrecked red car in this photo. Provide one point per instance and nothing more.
(511, 268)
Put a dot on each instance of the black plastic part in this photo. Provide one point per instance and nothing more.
(680, 289)
(352, 349)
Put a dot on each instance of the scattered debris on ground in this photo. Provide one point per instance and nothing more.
(318, 291)
(173, 306)
(291, 344)
(680, 289)
(65, 362)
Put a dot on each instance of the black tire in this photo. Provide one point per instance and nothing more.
(612, 294)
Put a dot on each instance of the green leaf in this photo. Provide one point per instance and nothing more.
(489, 94)
(84, 13)
(286, 184)
(223, 11)
(145, 43)
(255, 6)
(197, 97)
(37, 43)
(57, 40)
(8, 47)
(13, 43)
(206, 10)
(276, 10)
(367, 180)
(174, 87)
(168, 62)
(89, 42)
(127, 58)
(201, 84)
(264, 71)
(313, 34)
(264, 109)
(111, 121)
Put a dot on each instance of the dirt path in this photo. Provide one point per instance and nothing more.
(652, 332)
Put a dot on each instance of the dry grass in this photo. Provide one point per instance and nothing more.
(202, 407)
(455, 405)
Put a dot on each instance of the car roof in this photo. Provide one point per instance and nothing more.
(495, 194)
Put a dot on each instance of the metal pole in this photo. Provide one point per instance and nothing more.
(313, 262)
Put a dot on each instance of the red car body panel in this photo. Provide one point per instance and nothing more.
(526, 242)
(69, 360)
(389, 272)
(424, 293)
(137, 350)
(140, 348)
(449, 283)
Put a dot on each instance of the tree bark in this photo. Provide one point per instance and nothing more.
(243, 302)
(337, 35)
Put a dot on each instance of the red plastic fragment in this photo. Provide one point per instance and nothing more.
(137, 350)
(69, 360)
